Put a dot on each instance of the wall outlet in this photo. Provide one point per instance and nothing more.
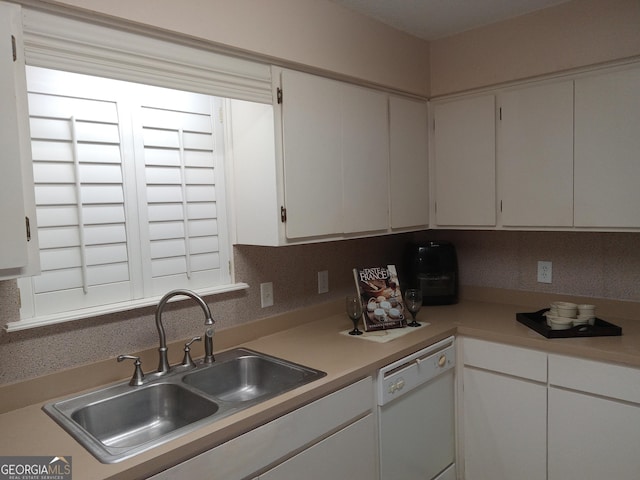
(266, 294)
(544, 272)
(323, 281)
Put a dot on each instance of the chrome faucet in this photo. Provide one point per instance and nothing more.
(164, 366)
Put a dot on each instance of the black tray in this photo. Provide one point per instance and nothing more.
(538, 322)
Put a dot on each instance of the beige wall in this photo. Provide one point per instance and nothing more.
(589, 264)
(312, 33)
(603, 265)
(568, 36)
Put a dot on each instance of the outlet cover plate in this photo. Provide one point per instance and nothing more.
(545, 272)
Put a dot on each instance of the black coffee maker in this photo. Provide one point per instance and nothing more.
(433, 268)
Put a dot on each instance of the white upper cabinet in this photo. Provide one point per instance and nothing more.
(607, 150)
(464, 162)
(559, 154)
(255, 178)
(365, 160)
(408, 163)
(535, 156)
(335, 145)
(19, 252)
(347, 161)
(312, 155)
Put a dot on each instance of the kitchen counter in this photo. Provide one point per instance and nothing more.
(314, 340)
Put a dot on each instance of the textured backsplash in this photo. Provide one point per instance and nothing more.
(604, 265)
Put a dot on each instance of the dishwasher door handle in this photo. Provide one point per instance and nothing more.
(442, 361)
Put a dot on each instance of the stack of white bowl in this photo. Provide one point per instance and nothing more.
(564, 315)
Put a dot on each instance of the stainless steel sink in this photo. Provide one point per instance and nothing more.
(142, 415)
(118, 422)
(243, 376)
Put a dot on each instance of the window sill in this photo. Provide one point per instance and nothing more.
(107, 309)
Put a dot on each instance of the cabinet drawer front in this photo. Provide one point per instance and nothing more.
(609, 380)
(517, 361)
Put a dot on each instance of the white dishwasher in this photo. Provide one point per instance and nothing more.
(416, 415)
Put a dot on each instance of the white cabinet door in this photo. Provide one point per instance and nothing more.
(365, 159)
(347, 454)
(607, 150)
(504, 404)
(505, 435)
(408, 163)
(535, 156)
(464, 162)
(255, 179)
(18, 257)
(312, 155)
(594, 420)
(336, 157)
(592, 438)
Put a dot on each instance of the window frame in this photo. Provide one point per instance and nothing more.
(79, 46)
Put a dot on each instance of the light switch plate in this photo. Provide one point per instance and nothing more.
(323, 281)
(266, 294)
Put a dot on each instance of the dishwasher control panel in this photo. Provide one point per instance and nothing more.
(416, 369)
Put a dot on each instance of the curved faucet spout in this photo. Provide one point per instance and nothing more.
(163, 366)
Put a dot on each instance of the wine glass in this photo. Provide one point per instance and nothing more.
(413, 300)
(354, 310)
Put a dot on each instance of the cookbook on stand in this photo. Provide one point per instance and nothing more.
(381, 297)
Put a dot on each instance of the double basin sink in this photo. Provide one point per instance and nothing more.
(120, 421)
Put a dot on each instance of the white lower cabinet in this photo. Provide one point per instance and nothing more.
(592, 437)
(333, 437)
(504, 427)
(504, 412)
(594, 420)
(531, 415)
(348, 454)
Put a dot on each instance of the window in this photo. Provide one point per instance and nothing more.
(128, 162)
(129, 186)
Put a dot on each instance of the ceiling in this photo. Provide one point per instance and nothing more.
(433, 19)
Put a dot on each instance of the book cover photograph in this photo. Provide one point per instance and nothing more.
(381, 297)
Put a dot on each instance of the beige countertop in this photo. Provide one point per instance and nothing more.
(316, 343)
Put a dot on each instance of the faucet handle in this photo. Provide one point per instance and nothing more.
(187, 361)
(138, 375)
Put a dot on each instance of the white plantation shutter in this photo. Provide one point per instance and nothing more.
(129, 196)
(80, 202)
(180, 150)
